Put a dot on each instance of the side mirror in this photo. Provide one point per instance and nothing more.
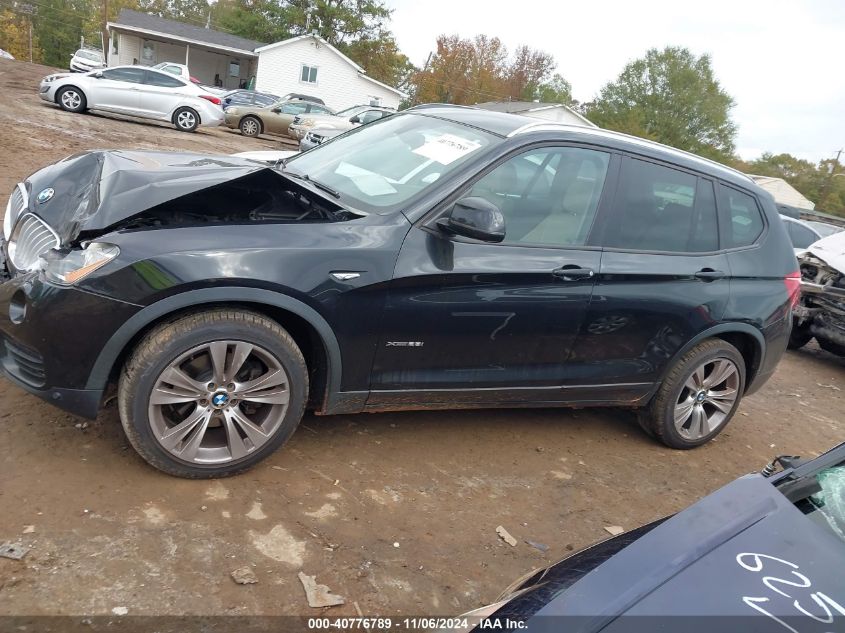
(355, 119)
(475, 218)
(99, 74)
(276, 110)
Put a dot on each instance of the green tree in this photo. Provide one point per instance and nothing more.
(194, 12)
(381, 58)
(59, 25)
(14, 36)
(337, 21)
(556, 90)
(671, 96)
(259, 20)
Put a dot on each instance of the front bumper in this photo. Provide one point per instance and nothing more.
(297, 131)
(51, 337)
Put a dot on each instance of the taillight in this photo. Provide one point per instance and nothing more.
(793, 287)
(214, 100)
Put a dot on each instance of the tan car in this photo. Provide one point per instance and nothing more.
(272, 119)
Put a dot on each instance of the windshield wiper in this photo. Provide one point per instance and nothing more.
(320, 185)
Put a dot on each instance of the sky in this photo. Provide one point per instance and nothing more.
(782, 62)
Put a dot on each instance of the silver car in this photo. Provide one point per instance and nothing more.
(135, 91)
(342, 121)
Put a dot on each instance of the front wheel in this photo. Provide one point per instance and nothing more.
(211, 394)
(72, 99)
(250, 126)
(186, 119)
(799, 336)
(698, 397)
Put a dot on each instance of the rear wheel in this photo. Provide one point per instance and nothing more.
(211, 394)
(186, 119)
(250, 126)
(72, 99)
(830, 346)
(698, 397)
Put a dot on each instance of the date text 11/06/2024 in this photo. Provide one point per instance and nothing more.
(418, 624)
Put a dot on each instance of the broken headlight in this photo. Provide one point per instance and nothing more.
(68, 268)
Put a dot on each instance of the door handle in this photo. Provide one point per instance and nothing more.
(572, 273)
(708, 274)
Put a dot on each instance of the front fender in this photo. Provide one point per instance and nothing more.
(116, 345)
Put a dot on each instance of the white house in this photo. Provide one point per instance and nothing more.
(308, 64)
(783, 192)
(556, 112)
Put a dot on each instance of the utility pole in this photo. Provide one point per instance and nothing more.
(826, 187)
(28, 10)
(105, 31)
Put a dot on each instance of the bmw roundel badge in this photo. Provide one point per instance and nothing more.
(44, 195)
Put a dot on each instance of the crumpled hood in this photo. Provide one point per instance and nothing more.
(97, 189)
(831, 250)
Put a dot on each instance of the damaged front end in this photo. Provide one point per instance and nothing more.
(820, 313)
(59, 211)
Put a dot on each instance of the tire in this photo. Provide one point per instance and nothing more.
(831, 347)
(250, 126)
(799, 336)
(681, 390)
(71, 99)
(211, 423)
(186, 119)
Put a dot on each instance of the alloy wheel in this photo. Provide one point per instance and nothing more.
(706, 399)
(71, 99)
(250, 127)
(219, 402)
(186, 120)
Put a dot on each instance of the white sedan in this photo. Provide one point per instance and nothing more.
(135, 91)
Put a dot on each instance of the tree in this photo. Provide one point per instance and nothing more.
(59, 25)
(382, 58)
(336, 21)
(194, 12)
(673, 97)
(259, 20)
(556, 90)
(464, 71)
(14, 36)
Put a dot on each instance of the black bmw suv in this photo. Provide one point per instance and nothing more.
(444, 257)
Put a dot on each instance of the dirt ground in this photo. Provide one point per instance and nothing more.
(396, 512)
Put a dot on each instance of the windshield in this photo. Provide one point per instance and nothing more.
(90, 55)
(351, 111)
(827, 506)
(381, 166)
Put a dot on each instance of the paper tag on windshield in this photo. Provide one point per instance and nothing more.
(446, 148)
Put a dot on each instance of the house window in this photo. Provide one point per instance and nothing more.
(234, 69)
(309, 74)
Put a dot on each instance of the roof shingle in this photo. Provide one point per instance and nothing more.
(181, 30)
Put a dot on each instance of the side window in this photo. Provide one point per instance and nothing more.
(371, 115)
(261, 100)
(663, 209)
(317, 109)
(548, 196)
(746, 222)
(160, 79)
(129, 75)
(294, 108)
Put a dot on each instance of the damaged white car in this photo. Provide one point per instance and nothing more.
(820, 313)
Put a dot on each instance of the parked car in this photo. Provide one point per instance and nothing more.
(342, 121)
(248, 98)
(317, 137)
(764, 553)
(85, 60)
(824, 228)
(6, 55)
(296, 96)
(801, 234)
(272, 119)
(135, 91)
(442, 258)
(821, 311)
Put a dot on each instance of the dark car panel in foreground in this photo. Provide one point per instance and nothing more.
(445, 257)
(760, 554)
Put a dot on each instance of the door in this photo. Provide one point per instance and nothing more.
(469, 321)
(117, 89)
(279, 118)
(663, 277)
(160, 94)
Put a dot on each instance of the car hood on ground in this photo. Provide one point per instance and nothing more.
(95, 190)
(831, 250)
(713, 558)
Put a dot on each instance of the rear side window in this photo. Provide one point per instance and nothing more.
(663, 209)
(801, 236)
(263, 100)
(130, 75)
(165, 81)
(746, 221)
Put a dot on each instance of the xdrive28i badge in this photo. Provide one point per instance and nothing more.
(44, 195)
